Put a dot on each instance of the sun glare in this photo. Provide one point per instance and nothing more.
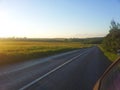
(4, 24)
(7, 28)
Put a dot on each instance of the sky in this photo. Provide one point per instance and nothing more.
(57, 18)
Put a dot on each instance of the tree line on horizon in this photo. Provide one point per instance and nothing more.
(95, 40)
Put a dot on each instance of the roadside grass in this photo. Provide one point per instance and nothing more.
(18, 51)
(111, 56)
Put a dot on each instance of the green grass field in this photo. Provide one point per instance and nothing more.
(17, 51)
(111, 56)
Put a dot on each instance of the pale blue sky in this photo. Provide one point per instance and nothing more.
(57, 18)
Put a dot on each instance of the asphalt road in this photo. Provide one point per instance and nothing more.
(75, 70)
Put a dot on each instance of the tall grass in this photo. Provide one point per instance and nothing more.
(17, 51)
(111, 56)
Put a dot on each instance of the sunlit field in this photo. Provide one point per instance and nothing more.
(16, 51)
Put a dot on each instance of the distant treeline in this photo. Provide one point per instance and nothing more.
(95, 40)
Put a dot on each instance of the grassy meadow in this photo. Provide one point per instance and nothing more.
(17, 51)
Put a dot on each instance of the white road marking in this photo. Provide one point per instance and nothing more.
(38, 79)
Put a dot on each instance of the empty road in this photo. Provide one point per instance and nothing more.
(74, 70)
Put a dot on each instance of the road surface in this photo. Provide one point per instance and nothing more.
(74, 70)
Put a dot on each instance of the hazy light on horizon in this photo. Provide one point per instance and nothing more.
(57, 18)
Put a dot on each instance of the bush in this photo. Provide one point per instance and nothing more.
(112, 41)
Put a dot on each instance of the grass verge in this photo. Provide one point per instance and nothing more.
(111, 56)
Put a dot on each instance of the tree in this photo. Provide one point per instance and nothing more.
(112, 41)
